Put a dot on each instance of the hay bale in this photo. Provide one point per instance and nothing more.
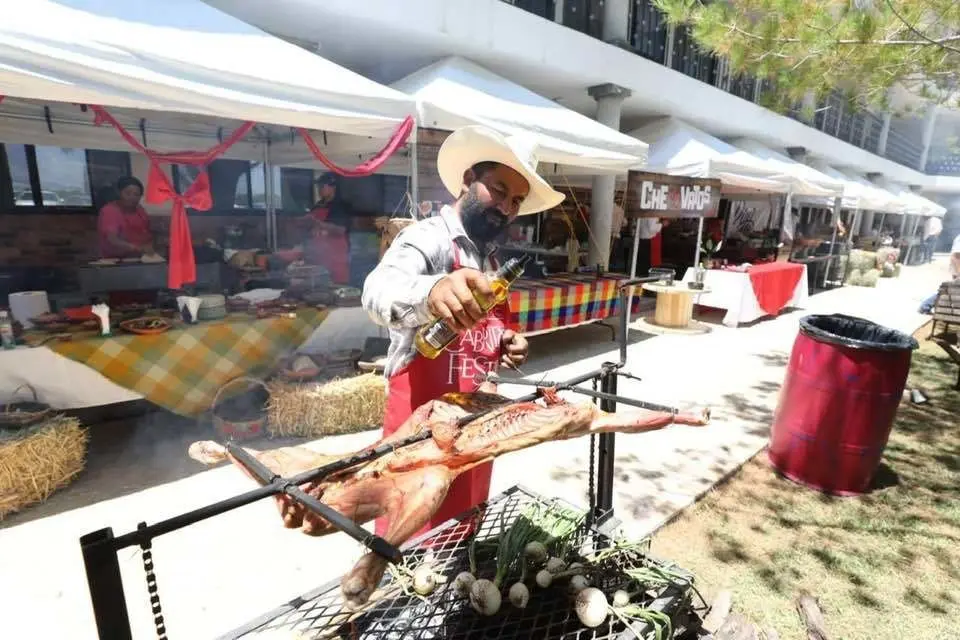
(36, 461)
(870, 278)
(342, 405)
(896, 269)
(886, 270)
(855, 278)
(862, 260)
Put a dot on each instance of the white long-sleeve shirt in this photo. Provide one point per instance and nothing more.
(395, 293)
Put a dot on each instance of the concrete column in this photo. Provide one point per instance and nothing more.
(609, 99)
(558, 11)
(616, 21)
(884, 134)
(929, 123)
(808, 107)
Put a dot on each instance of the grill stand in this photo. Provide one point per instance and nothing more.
(99, 548)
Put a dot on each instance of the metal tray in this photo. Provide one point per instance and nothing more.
(445, 615)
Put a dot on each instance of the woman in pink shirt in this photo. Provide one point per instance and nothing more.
(123, 225)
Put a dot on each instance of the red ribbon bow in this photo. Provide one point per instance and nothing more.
(183, 266)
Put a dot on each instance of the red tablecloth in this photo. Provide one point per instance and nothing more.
(774, 284)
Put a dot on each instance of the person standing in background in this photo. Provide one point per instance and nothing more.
(123, 225)
(931, 233)
(647, 230)
(926, 307)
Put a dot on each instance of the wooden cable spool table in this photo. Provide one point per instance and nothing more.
(674, 304)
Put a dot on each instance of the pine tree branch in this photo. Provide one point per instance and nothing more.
(941, 42)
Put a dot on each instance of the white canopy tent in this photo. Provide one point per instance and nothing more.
(679, 149)
(805, 181)
(183, 56)
(856, 194)
(455, 92)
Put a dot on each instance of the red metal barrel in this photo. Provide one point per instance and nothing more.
(844, 382)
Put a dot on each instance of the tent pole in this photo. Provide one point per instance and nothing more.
(633, 268)
(268, 194)
(696, 250)
(415, 171)
(837, 204)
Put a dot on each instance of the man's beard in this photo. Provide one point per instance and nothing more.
(484, 225)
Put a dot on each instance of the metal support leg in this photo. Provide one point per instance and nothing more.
(606, 458)
(106, 585)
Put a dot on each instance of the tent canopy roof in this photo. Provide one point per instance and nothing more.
(678, 148)
(183, 56)
(805, 180)
(455, 92)
(915, 204)
(873, 197)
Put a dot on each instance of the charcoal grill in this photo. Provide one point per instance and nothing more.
(99, 548)
(445, 615)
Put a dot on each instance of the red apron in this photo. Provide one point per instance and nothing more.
(330, 248)
(456, 369)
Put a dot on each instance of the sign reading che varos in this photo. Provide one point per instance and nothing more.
(656, 195)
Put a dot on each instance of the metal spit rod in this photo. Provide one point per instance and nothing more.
(600, 395)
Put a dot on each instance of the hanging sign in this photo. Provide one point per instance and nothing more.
(657, 195)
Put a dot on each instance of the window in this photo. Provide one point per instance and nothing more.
(19, 170)
(45, 176)
(64, 180)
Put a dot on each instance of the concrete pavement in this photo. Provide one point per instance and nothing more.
(225, 571)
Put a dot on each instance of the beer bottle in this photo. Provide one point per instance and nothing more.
(434, 337)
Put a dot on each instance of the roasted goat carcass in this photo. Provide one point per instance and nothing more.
(408, 484)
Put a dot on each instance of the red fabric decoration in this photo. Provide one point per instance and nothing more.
(774, 284)
(2, 97)
(656, 250)
(398, 139)
(182, 263)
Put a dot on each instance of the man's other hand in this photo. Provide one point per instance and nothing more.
(515, 348)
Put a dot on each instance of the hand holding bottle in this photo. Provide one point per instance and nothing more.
(452, 298)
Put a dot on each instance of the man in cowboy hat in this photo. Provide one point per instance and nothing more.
(429, 272)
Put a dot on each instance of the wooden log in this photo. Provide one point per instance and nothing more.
(812, 617)
(719, 610)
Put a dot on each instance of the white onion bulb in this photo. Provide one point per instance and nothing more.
(621, 598)
(544, 578)
(424, 581)
(519, 595)
(577, 584)
(555, 565)
(535, 552)
(463, 582)
(485, 597)
(591, 607)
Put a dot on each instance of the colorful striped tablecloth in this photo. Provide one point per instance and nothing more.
(564, 299)
(182, 369)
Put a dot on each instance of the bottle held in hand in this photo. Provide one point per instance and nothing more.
(436, 336)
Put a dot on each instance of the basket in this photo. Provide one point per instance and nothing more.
(17, 415)
(237, 425)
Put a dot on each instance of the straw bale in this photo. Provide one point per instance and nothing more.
(855, 278)
(896, 269)
(342, 405)
(863, 260)
(38, 460)
(870, 278)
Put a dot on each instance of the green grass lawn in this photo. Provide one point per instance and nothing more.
(884, 566)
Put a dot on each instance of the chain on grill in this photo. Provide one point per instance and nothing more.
(591, 491)
(152, 590)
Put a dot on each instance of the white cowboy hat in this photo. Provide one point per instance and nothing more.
(467, 146)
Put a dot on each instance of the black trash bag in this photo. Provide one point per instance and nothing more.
(857, 333)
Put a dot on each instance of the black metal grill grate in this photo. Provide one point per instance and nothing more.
(447, 615)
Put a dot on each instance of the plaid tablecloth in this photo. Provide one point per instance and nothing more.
(564, 299)
(182, 369)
